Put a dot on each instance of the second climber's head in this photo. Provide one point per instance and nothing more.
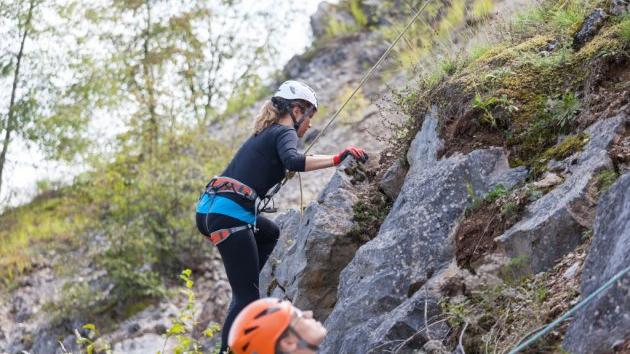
(274, 326)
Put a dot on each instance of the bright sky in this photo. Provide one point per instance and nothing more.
(25, 166)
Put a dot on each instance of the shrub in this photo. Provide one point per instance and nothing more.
(482, 8)
(605, 179)
(184, 324)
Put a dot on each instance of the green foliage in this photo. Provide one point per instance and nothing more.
(36, 86)
(357, 13)
(478, 51)
(605, 179)
(458, 312)
(560, 17)
(146, 211)
(509, 209)
(246, 95)
(564, 110)
(513, 271)
(482, 8)
(454, 16)
(77, 299)
(430, 35)
(353, 112)
(54, 220)
(500, 316)
(486, 104)
(182, 327)
(369, 213)
(497, 192)
(338, 28)
(564, 149)
(624, 29)
(92, 344)
(448, 66)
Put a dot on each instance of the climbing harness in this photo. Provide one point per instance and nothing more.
(219, 236)
(367, 75)
(219, 185)
(524, 344)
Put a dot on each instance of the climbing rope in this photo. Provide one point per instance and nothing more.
(345, 103)
(562, 318)
(369, 73)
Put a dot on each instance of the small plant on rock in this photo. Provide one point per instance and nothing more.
(487, 104)
(92, 343)
(564, 109)
(183, 325)
(605, 179)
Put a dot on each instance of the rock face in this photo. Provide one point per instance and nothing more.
(553, 225)
(393, 179)
(319, 250)
(589, 29)
(288, 223)
(618, 7)
(605, 321)
(327, 13)
(412, 245)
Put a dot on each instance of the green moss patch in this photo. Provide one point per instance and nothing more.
(527, 91)
(564, 149)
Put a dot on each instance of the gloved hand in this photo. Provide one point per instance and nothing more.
(358, 153)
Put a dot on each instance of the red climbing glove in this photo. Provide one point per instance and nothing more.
(358, 153)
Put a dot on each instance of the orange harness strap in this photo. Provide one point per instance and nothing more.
(230, 185)
(220, 235)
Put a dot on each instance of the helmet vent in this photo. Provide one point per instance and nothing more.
(246, 346)
(267, 311)
(250, 329)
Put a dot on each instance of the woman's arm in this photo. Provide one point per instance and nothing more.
(317, 162)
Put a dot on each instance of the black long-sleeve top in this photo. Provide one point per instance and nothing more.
(263, 159)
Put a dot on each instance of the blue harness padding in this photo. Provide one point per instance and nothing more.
(221, 205)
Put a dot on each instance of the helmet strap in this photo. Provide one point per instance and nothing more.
(302, 344)
(297, 123)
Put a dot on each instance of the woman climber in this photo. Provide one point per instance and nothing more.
(227, 211)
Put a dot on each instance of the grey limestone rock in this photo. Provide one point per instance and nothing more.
(327, 12)
(413, 243)
(619, 7)
(307, 271)
(590, 28)
(553, 225)
(605, 321)
(288, 223)
(393, 179)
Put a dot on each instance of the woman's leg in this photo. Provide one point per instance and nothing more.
(240, 259)
(266, 238)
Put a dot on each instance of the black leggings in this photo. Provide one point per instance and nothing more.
(244, 254)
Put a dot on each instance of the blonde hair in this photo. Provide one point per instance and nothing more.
(267, 115)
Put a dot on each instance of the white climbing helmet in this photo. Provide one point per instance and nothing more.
(292, 90)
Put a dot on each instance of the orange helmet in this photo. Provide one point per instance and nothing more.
(258, 326)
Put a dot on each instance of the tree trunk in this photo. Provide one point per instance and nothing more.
(11, 118)
(153, 129)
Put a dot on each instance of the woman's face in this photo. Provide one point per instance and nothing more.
(306, 124)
